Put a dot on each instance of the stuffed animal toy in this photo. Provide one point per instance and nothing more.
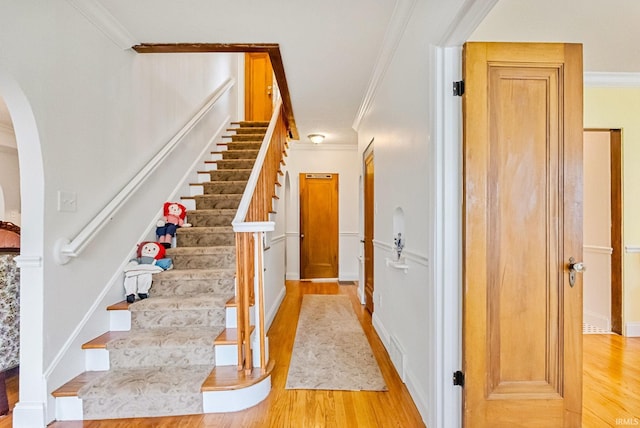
(174, 217)
(138, 272)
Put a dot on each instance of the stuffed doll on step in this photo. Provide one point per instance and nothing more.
(173, 218)
(138, 272)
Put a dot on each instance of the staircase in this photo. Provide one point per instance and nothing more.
(176, 352)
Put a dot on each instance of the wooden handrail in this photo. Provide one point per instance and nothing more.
(250, 223)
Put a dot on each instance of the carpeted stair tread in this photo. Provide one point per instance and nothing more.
(249, 130)
(196, 251)
(195, 274)
(151, 380)
(204, 229)
(206, 236)
(145, 392)
(184, 303)
(252, 123)
(229, 174)
(223, 187)
(167, 338)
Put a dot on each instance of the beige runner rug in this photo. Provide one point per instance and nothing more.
(331, 350)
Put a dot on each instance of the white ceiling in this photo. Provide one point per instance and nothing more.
(330, 47)
(609, 30)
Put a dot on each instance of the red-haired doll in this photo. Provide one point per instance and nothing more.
(174, 217)
(138, 273)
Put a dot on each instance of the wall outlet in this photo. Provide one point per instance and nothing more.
(67, 201)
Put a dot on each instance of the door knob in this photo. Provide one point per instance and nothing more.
(301, 235)
(575, 267)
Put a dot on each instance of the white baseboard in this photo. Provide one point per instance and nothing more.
(632, 329)
(272, 312)
(597, 320)
(417, 394)
(292, 276)
(349, 276)
(29, 414)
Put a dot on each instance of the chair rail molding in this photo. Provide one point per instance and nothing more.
(65, 249)
(611, 80)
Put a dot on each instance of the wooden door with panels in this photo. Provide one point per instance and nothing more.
(522, 235)
(368, 231)
(258, 98)
(319, 225)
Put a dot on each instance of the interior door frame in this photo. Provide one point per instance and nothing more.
(368, 153)
(617, 256)
(336, 253)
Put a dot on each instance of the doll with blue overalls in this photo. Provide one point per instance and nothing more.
(174, 217)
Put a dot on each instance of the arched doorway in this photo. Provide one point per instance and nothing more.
(31, 408)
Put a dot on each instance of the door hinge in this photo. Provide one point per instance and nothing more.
(458, 378)
(458, 88)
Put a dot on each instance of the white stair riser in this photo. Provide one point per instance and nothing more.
(236, 400)
(96, 359)
(216, 156)
(189, 204)
(68, 409)
(226, 355)
(119, 320)
(204, 177)
(195, 190)
(232, 318)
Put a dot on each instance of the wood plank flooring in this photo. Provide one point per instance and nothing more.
(611, 385)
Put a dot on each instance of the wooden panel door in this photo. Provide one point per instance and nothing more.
(522, 221)
(368, 232)
(258, 98)
(318, 225)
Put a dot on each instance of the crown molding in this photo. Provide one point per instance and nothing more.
(611, 80)
(397, 25)
(104, 21)
(469, 16)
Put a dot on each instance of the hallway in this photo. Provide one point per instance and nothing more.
(611, 385)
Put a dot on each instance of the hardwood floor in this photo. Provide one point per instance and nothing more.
(611, 385)
(611, 381)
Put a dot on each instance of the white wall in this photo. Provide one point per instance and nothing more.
(330, 158)
(274, 258)
(402, 120)
(101, 113)
(597, 229)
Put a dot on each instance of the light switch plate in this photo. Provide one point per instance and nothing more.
(67, 201)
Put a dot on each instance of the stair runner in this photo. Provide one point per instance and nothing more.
(158, 368)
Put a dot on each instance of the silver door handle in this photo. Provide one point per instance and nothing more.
(301, 235)
(575, 267)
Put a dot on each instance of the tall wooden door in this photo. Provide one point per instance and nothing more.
(368, 232)
(258, 98)
(318, 225)
(522, 222)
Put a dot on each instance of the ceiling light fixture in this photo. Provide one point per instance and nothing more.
(316, 138)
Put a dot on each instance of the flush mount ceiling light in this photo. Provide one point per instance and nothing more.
(316, 138)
